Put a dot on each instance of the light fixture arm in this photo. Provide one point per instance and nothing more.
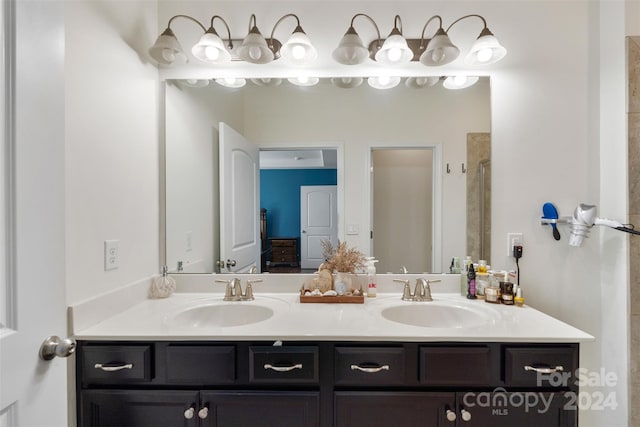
(275, 46)
(187, 17)
(298, 28)
(252, 22)
(229, 42)
(351, 28)
(484, 22)
(397, 26)
(422, 39)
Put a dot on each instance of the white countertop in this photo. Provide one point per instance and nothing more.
(294, 321)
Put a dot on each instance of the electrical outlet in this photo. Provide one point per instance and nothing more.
(513, 239)
(111, 254)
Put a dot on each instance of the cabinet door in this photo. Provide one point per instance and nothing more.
(137, 408)
(393, 409)
(261, 408)
(498, 408)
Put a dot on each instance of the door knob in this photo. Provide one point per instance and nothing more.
(55, 346)
(231, 263)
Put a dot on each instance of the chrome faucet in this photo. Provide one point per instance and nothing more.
(422, 291)
(403, 269)
(406, 291)
(233, 290)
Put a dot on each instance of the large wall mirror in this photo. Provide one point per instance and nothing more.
(347, 129)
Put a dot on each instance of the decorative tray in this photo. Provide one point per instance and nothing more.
(331, 299)
(348, 299)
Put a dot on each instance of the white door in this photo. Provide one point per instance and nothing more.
(318, 220)
(33, 392)
(239, 202)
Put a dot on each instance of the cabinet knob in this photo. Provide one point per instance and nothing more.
(202, 413)
(189, 413)
(451, 416)
(466, 415)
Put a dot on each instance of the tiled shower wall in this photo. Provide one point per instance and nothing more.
(633, 115)
(478, 214)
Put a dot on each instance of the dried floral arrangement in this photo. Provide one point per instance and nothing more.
(341, 258)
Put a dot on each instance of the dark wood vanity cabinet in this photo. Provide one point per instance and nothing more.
(342, 384)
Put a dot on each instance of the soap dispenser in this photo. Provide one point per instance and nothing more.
(163, 286)
(372, 286)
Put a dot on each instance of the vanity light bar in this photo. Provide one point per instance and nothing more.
(299, 51)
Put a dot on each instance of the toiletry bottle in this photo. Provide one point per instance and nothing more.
(482, 266)
(464, 284)
(519, 299)
(372, 286)
(471, 283)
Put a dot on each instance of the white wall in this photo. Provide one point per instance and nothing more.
(192, 201)
(112, 122)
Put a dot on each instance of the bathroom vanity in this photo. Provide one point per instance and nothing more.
(281, 363)
(236, 383)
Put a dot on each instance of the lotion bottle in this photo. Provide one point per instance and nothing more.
(463, 275)
(372, 286)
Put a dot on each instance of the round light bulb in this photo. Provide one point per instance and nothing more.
(298, 52)
(168, 54)
(230, 80)
(394, 54)
(437, 55)
(192, 81)
(303, 79)
(460, 80)
(211, 53)
(255, 53)
(484, 55)
(384, 80)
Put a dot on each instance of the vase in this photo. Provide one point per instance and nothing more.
(343, 283)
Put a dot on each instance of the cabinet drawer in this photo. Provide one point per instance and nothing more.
(200, 364)
(369, 365)
(283, 243)
(116, 363)
(533, 366)
(455, 365)
(283, 364)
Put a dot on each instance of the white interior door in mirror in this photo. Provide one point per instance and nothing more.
(239, 202)
(318, 220)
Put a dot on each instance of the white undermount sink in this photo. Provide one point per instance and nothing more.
(222, 315)
(439, 315)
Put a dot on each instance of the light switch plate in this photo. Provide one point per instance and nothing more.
(353, 229)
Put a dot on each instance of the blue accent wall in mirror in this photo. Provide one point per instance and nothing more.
(280, 196)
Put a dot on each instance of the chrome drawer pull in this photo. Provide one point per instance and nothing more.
(544, 370)
(283, 368)
(370, 370)
(107, 368)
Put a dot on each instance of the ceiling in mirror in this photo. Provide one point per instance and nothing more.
(298, 159)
